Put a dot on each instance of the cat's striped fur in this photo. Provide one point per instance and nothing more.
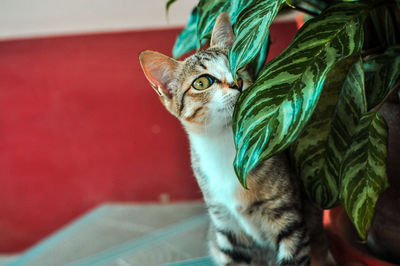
(270, 223)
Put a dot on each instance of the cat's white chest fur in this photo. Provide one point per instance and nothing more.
(216, 152)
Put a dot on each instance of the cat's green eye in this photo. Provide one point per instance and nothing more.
(202, 83)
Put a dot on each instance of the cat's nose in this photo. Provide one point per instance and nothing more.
(237, 86)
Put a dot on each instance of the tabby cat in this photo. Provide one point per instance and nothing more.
(270, 223)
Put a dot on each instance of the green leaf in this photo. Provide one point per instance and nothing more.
(168, 5)
(385, 25)
(320, 149)
(363, 173)
(187, 39)
(381, 74)
(209, 11)
(316, 4)
(255, 65)
(290, 3)
(202, 21)
(391, 29)
(252, 28)
(271, 113)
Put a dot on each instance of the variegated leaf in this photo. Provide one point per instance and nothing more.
(385, 26)
(252, 31)
(255, 66)
(187, 39)
(381, 74)
(320, 149)
(272, 112)
(363, 172)
(315, 4)
(201, 22)
(209, 11)
(381, 28)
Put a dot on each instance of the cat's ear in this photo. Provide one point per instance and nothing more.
(222, 34)
(159, 70)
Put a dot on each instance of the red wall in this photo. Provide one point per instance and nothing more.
(79, 125)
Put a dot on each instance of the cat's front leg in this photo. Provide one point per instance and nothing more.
(293, 246)
(228, 244)
(225, 249)
(281, 224)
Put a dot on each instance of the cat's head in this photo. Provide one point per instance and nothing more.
(199, 91)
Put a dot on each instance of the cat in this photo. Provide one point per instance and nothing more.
(271, 222)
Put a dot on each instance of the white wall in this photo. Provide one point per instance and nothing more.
(32, 18)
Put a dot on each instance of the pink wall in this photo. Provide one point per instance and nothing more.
(79, 125)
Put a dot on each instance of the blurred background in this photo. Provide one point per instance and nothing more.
(79, 124)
